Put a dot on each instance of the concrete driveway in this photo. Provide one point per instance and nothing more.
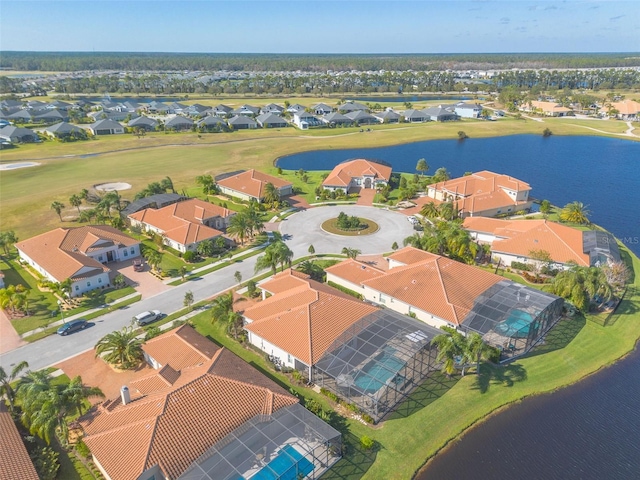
(145, 284)
(303, 229)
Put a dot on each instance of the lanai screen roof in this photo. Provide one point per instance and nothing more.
(508, 304)
(380, 332)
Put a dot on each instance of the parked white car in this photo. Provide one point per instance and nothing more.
(413, 220)
(147, 317)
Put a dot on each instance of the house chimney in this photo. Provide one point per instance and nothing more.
(124, 393)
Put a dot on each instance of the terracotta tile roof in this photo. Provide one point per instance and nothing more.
(342, 174)
(627, 107)
(15, 463)
(61, 252)
(520, 237)
(283, 283)
(252, 183)
(303, 320)
(482, 191)
(182, 221)
(434, 284)
(174, 426)
(550, 107)
(181, 347)
(410, 255)
(354, 271)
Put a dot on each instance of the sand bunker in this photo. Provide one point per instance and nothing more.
(112, 187)
(13, 166)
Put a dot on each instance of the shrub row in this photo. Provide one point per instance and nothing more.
(345, 290)
(349, 406)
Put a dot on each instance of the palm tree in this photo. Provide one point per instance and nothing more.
(153, 257)
(450, 349)
(430, 210)
(30, 388)
(351, 252)
(167, 184)
(222, 311)
(255, 223)
(475, 350)
(283, 254)
(207, 183)
(268, 260)
(75, 201)
(120, 348)
(58, 207)
(239, 226)
(205, 248)
(271, 194)
(6, 389)
(575, 212)
(45, 410)
(7, 240)
(76, 392)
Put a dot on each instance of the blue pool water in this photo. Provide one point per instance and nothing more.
(375, 374)
(516, 325)
(288, 465)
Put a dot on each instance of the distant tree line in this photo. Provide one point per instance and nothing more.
(135, 61)
(328, 84)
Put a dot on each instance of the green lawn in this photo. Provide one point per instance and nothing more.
(42, 304)
(139, 161)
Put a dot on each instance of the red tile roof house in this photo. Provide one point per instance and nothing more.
(205, 414)
(184, 224)
(79, 254)
(549, 109)
(442, 292)
(369, 356)
(250, 185)
(359, 173)
(15, 463)
(513, 241)
(483, 194)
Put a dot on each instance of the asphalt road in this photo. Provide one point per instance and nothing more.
(299, 231)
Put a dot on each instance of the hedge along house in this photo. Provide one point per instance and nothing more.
(483, 194)
(370, 357)
(206, 414)
(78, 254)
(442, 292)
(515, 241)
(356, 174)
(250, 184)
(184, 225)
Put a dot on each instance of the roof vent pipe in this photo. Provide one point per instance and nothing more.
(124, 393)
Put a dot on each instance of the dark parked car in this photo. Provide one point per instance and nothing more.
(73, 326)
(138, 266)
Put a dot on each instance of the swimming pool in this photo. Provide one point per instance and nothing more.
(516, 325)
(290, 464)
(374, 375)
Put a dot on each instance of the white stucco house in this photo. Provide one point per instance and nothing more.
(79, 254)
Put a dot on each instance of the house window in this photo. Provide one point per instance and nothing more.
(99, 280)
(133, 251)
(77, 288)
(126, 254)
(88, 284)
(100, 258)
(289, 359)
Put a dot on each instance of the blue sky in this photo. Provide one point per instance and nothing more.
(319, 26)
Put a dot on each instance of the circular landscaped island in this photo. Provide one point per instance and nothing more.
(349, 226)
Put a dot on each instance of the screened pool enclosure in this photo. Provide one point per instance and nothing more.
(512, 317)
(377, 361)
(290, 444)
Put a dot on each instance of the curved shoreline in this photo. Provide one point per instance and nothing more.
(499, 409)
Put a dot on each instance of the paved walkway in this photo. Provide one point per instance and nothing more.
(366, 196)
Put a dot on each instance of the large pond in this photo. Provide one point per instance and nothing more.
(590, 430)
(603, 173)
